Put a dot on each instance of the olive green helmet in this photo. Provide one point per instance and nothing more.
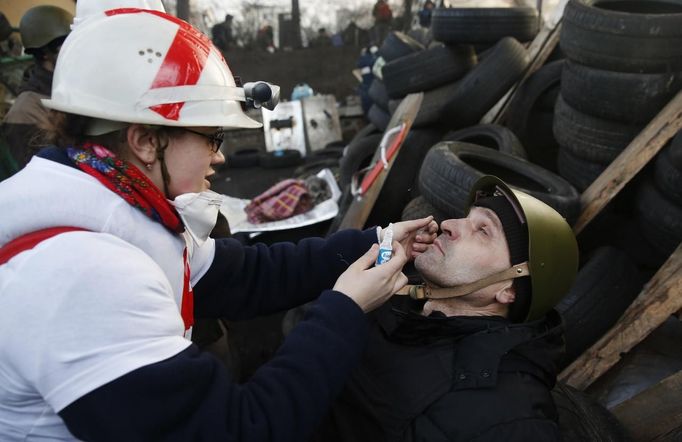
(42, 24)
(552, 247)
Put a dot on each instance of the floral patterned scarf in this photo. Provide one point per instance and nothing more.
(128, 182)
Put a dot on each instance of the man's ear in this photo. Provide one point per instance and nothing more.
(142, 143)
(506, 295)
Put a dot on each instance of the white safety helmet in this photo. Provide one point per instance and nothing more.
(91, 8)
(144, 66)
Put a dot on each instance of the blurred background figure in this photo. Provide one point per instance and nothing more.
(322, 40)
(383, 16)
(221, 34)
(265, 38)
(43, 30)
(10, 46)
(425, 14)
(367, 58)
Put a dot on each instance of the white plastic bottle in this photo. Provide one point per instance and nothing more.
(386, 246)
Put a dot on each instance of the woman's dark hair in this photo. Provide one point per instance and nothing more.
(66, 129)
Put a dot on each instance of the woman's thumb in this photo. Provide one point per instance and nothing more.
(369, 258)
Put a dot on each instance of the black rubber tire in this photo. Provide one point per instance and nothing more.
(425, 70)
(667, 177)
(618, 96)
(433, 105)
(397, 189)
(451, 168)
(485, 84)
(656, 357)
(358, 155)
(676, 150)
(377, 92)
(243, 158)
(624, 36)
(397, 44)
(541, 146)
(484, 25)
(591, 138)
(368, 129)
(581, 173)
(659, 218)
(334, 152)
(581, 418)
(378, 117)
(422, 35)
(311, 167)
(604, 287)
(280, 158)
(419, 208)
(529, 93)
(492, 136)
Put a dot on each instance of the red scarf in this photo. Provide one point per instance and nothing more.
(128, 182)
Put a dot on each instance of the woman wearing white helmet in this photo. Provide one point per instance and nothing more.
(105, 259)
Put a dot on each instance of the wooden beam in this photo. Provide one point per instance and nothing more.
(660, 298)
(640, 151)
(361, 206)
(654, 413)
(539, 50)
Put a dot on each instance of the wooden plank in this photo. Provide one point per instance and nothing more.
(654, 413)
(359, 210)
(539, 50)
(660, 298)
(640, 151)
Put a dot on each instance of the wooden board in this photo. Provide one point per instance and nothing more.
(361, 207)
(660, 298)
(539, 50)
(640, 151)
(654, 414)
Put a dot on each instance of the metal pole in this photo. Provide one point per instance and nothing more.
(296, 19)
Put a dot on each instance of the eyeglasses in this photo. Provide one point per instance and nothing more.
(215, 139)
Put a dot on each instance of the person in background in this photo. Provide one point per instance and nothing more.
(265, 39)
(368, 56)
(425, 14)
(474, 357)
(10, 46)
(106, 259)
(221, 34)
(322, 39)
(383, 16)
(43, 30)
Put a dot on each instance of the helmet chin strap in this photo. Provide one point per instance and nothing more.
(160, 155)
(424, 291)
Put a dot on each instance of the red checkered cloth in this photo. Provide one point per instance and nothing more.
(283, 200)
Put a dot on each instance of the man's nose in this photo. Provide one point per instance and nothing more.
(452, 228)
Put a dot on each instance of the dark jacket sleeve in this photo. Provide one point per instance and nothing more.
(539, 430)
(245, 281)
(189, 397)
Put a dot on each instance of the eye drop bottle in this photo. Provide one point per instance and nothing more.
(386, 247)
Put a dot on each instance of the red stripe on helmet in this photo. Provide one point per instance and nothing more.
(184, 62)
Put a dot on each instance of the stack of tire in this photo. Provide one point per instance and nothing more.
(624, 64)
(470, 150)
(530, 114)
(459, 87)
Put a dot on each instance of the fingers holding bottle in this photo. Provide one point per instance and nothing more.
(371, 286)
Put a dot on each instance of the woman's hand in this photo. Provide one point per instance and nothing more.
(416, 235)
(371, 286)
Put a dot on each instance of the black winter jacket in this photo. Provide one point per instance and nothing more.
(443, 378)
